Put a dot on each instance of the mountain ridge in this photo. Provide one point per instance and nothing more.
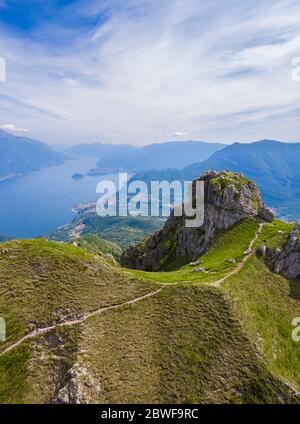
(99, 149)
(272, 164)
(155, 156)
(228, 199)
(21, 155)
(103, 335)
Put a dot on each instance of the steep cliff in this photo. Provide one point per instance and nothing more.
(228, 199)
(285, 260)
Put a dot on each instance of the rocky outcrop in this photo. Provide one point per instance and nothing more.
(76, 391)
(286, 261)
(228, 199)
(266, 213)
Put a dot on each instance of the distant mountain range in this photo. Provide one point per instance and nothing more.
(173, 154)
(101, 150)
(21, 155)
(4, 238)
(273, 165)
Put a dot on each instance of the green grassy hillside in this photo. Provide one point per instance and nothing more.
(182, 345)
(190, 340)
(227, 245)
(42, 282)
(123, 231)
(97, 245)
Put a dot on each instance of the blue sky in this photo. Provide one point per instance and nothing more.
(143, 71)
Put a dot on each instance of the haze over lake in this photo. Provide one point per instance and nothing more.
(42, 201)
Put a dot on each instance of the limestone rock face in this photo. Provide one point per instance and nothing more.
(76, 390)
(287, 261)
(228, 199)
(266, 213)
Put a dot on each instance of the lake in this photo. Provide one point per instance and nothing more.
(42, 201)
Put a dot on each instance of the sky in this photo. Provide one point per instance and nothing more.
(146, 71)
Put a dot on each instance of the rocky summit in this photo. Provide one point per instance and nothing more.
(286, 260)
(229, 198)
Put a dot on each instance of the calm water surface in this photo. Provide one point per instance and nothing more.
(42, 201)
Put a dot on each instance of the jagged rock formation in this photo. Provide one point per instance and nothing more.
(286, 261)
(228, 198)
(79, 382)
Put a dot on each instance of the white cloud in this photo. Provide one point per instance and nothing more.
(180, 134)
(12, 128)
(221, 73)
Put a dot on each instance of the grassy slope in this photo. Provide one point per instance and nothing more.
(275, 234)
(187, 344)
(267, 304)
(42, 282)
(121, 230)
(97, 245)
(13, 375)
(183, 345)
(228, 245)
